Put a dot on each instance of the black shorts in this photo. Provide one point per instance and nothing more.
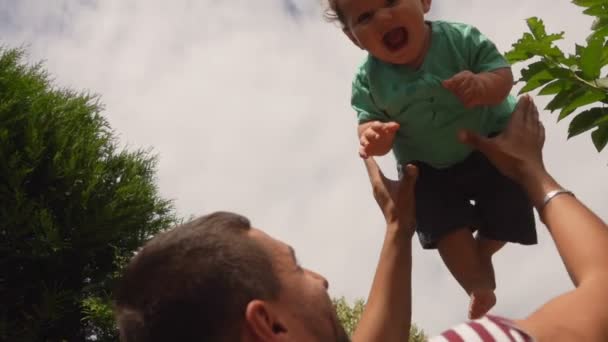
(475, 195)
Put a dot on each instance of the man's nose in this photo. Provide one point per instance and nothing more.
(320, 277)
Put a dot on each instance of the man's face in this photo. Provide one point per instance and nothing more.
(304, 303)
(391, 30)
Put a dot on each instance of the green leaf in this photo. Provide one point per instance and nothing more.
(604, 59)
(561, 73)
(536, 75)
(521, 50)
(537, 27)
(597, 10)
(600, 23)
(591, 59)
(563, 98)
(600, 137)
(600, 33)
(555, 87)
(587, 97)
(537, 43)
(589, 3)
(587, 120)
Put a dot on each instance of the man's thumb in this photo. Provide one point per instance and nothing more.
(473, 139)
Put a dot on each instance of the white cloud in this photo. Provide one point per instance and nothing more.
(247, 105)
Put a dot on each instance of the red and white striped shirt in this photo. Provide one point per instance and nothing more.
(486, 329)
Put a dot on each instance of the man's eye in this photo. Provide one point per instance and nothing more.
(364, 18)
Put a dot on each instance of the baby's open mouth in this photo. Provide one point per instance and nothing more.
(395, 39)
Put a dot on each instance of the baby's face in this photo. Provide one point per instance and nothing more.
(391, 30)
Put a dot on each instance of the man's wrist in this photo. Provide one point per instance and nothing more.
(538, 185)
(402, 229)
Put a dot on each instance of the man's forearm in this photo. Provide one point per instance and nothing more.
(387, 314)
(497, 85)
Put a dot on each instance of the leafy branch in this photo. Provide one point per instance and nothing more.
(574, 80)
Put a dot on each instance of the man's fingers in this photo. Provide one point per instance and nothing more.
(534, 109)
(407, 187)
(474, 140)
(410, 177)
(373, 170)
(536, 117)
(521, 109)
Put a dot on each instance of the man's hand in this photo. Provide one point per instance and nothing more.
(376, 138)
(395, 198)
(468, 87)
(517, 151)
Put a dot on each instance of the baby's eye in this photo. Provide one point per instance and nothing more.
(391, 2)
(365, 17)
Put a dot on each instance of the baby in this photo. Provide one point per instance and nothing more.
(421, 83)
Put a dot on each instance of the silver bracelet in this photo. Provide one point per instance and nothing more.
(552, 194)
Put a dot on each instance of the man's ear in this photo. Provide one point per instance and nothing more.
(262, 322)
(426, 5)
(350, 36)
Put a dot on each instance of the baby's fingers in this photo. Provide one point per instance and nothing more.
(363, 152)
(371, 135)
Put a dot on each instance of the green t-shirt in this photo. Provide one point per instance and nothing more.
(430, 115)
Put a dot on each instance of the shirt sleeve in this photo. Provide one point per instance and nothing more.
(362, 100)
(482, 53)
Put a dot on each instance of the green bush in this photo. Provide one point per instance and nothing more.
(349, 316)
(74, 206)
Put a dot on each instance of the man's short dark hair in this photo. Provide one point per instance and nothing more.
(193, 282)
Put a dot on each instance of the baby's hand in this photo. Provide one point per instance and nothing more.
(377, 138)
(468, 87)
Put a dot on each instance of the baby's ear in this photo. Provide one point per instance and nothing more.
(350, 36)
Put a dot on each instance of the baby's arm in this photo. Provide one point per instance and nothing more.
(487, 79)
(497, 85)
(482, 89)
(376, 138)
(375, 131)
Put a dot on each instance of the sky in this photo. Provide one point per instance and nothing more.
(246, 104)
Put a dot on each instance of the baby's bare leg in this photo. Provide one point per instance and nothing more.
(487, 248)
(461, 253)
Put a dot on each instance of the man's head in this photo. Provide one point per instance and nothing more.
(391, 30)
(218, 279)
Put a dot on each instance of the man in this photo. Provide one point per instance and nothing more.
(219, 279)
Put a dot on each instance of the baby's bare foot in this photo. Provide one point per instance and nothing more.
(482, 301)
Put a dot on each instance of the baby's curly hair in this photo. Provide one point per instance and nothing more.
(333, 13)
